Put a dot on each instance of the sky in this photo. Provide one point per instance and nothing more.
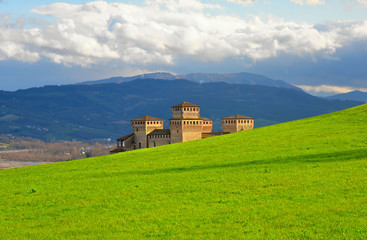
(318, 45)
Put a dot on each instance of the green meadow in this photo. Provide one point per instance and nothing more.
(305, 179)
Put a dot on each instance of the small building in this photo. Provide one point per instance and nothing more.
(237, 123)
(185, 125)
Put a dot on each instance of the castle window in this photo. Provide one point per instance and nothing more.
(154, 144)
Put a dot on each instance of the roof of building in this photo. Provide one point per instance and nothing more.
(186, 104)
(147, 118)
(125, 137)
(237, 116)
(160, 132)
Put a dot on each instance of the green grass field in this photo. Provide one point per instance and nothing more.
(299, 180)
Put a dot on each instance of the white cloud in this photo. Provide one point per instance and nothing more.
(363, 2)
(309, 2)
(243, 2)
(162, 30)
(325, 90)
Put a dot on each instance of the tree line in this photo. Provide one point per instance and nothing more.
(29, 149)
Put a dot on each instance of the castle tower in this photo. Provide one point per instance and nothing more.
(237, 123)
(142, 127)
(185, 124)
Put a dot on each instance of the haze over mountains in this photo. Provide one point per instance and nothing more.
(105, 110)
(241, 78)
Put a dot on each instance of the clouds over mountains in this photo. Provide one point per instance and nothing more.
(160, 31)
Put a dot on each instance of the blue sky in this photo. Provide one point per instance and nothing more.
(320, 45)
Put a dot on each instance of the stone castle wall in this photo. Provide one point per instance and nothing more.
(158, 140)
(175, 127)
(233, 126)
(186, 112)
(142, 129)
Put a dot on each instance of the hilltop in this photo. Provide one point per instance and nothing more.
(85, 112)
(304, 179)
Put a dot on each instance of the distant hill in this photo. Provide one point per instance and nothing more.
(297, 180)
(242, 78)
(84, 112)
(355, 96)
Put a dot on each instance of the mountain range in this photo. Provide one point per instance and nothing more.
(355, 96)
(104, 110)
(240, 78)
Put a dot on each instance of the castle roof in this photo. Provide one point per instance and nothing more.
(186, 104)
(147, 118)
(161, 132)
(237, 116)
(125, 137)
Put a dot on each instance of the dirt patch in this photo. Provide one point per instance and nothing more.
(6, 164)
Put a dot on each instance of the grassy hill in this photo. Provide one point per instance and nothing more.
(304, 179)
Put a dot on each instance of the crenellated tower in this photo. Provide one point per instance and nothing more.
(142, 127)
(186, 123)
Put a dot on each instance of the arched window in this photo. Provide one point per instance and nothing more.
(139, 144)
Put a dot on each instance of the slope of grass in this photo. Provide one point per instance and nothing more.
(304, 179)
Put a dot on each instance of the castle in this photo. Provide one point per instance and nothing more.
(185, 125)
